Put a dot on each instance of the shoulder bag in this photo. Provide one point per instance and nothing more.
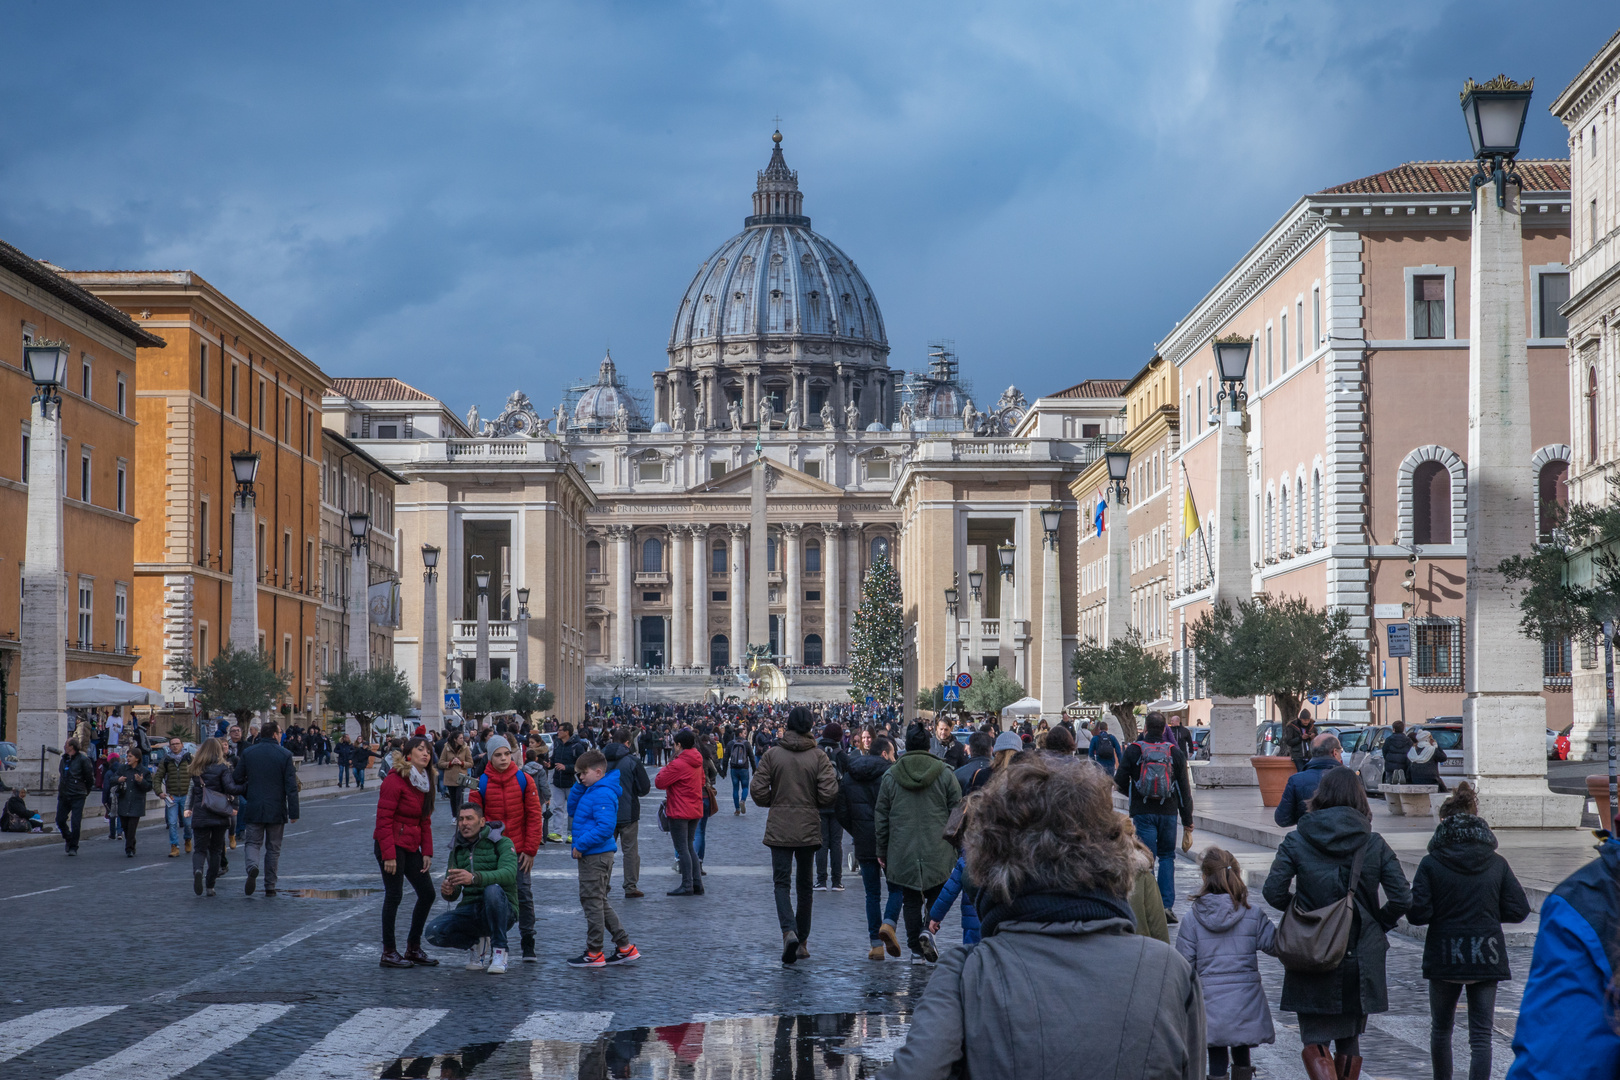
(1315, 941)
(215, 802)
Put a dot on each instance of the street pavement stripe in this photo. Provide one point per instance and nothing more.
(368, 1039)
(182, 1045)
(562, 1026)
(247, 960)
(26, 1032)
(41, 892)
(348, 821)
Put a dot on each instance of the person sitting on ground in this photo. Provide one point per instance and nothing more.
(1326, 753)
(16, 817)
(483, 875)
(1052, 862)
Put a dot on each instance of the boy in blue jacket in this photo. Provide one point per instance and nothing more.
(593, 807)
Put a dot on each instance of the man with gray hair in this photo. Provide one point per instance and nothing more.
(1326, 753)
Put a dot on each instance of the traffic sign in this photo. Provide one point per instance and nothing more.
(191, 690)
(952, 694)
(870, 699)
(618, 702)
(964, 680)
(1400, 639)
(1391, 692)
(1316, 699)
(452, 699)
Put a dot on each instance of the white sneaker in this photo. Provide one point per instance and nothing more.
(497, 962)
(478, 955)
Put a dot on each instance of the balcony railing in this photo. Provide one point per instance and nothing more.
(652, 578)
(499, 630)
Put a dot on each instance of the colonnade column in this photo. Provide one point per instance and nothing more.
(677, 607)
(624, 642)
(739, 592)
(791, 647)
(700, 596)
(832, 584)
(852, 577)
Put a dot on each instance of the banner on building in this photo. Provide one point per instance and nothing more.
(384, 604)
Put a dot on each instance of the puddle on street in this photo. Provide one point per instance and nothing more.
(329, 894)
(835, 1046)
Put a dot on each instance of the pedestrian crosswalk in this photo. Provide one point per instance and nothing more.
(182, 1045)
(26, 1032)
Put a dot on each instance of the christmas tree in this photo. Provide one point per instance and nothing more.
(876, 646)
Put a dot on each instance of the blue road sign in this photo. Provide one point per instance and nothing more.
(452, 699)
(618, 702)
(1392, 692)
(952, 693)
(1400, 639)
(1316, 699)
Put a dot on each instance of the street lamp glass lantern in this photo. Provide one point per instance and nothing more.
(245, 466)
(951, 597)
(359, 524)
(1006, 553)
(46, 364)
(1232, 357)
(1495, 113)
(482, 578)
(975, 580)
(1052, 517)
(523, 597)
(430, 556)
(1119, 464)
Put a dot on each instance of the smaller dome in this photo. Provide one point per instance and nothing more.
(599, 406)
(877, 425)
(661, 428)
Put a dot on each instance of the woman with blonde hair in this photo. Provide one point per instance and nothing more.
(210, 772)
(1221, 938)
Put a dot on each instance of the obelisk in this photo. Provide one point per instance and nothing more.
(759, 585)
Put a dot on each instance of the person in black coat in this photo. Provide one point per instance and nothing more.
(270, 784)
(127, 786)
(633, 785)
(75, 779)
(1396, 744)
(831, 851)
(1326, 753)
(1316, 859)
(855, 810)
(1464, 891)
(1423, 761)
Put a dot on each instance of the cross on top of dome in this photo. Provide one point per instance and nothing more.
(777, 199)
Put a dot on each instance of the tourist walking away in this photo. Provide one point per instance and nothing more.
(979, 747)
(1463, 892)
(130, 782)
(507, 795)
(403, 845)
(1334, 852)
(633, 785)
(1153, 772)
(832, 834)
(74, 780)
(455, 767)
(1423, 761)
(345, 759)
(482, 875)
(740, 762)
(1326, 753)
(1566, 1028)
(1146, 906)
(794, 781)
(564, 750)
(172, 779)
(360, 756)
(1103, 748)
(1052, 862)
(915, 801)
(856, 810)
(1296, 737)
(1396, 745)
(1222, 938)
(593, 807)
(682, 783)
(269, 783)
(211, 812)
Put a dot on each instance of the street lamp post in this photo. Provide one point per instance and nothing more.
(1006, 554)
(953, 630)
(1051, 616)
(481, 656)
(975, 620)
(522, 637)
(1504, 713)
(432, 700)
(244, 554)
(41, 691)
(1117, 622)
(359, 649)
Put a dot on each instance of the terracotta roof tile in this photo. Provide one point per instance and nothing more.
(44, 275)
(1451, 177)
(1093, 388)
(379, 390)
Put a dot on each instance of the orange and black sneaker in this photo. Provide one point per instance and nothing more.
(624, 955)
(588, 959)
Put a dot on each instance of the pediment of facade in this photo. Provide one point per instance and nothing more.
(781, 482)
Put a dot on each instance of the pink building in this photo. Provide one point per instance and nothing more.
(1357, 303)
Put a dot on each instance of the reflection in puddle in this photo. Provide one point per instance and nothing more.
(329, 894)
(834, 1046)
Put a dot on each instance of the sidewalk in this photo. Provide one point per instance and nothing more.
(314, 782)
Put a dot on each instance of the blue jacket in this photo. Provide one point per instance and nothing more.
(947, 896)
(1097, 743)
(1564, 1030)
(594, 811)
(1301, 787)
(267, 775)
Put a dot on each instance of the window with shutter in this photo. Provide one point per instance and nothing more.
(1428, 307)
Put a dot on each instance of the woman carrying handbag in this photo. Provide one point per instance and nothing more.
(211, 806)
(1334, 984)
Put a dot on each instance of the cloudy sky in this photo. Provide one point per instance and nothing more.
(482, 196)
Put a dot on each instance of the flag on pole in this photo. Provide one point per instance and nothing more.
(1189, 514)
(1099, 521)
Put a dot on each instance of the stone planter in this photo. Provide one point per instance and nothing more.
(1272, 774)
(1598, 787)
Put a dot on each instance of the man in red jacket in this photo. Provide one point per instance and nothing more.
(506, 794)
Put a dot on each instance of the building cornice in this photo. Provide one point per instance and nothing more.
(1594, 80)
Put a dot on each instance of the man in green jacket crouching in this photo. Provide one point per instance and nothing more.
(483, 873)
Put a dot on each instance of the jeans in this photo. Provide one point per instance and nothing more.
(69, 817)
(408, 867)
(264, 843)
(1217, 1059)
(831, 850)
(628, 837)
(876, 912)
(457, 795)
(1443, 1011)
(699, 833)
(595, 882)
(782, 864)
(208, 853)
(1158, 832)
(462, 927)
(525, 911)
(740, 779)
(359, 776)
(681, 831)
(914, 902)
(174, 812)
(343, 774)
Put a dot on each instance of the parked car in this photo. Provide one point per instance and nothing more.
(8, 756)
(1368, 755)
(1200, 743)
(1268, 739)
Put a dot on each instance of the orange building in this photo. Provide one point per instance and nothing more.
(99, 447)
(223, 382)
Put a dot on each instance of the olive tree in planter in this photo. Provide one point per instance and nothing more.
(240, 682)
(367, 693)
(1122, 675)
(1283, 649)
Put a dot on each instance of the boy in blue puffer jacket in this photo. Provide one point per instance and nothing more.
(593, 807)
(947, 896)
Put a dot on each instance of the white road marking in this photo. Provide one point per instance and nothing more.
(148, 866)
(348, 821)
(577, 1027)
(182, 1045)
(368, 1039)
(26, 1032)
(300, 832)
(247, 960)
(42, 892)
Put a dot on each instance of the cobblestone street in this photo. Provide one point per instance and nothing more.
(118, 970)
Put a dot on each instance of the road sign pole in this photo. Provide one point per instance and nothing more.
(1400, 679)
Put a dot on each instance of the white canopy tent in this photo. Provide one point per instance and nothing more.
(104, 691)
(1023, 707)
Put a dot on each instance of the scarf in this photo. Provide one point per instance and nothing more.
(418, 779)
(1422, 752)
(1049, 907)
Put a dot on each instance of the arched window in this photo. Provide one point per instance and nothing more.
(812, 650)
(1431, 503)
(812, 557)
(593, 638)
(593, 557)
(717, 559)
(1301, 537)
(1552, 487)
(1316, 506)
(1591, 415)
(1271, 527)
(1282, 519)
(652, 556)
(719, 653)
(880, 548)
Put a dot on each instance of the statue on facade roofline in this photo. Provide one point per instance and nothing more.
(767, 411)
(678, 418)
(852, 417)
(472, 419)
(621, 419)
(970, 418)
(826, 415)
(793, 413)
(734, 413)
(905, 416)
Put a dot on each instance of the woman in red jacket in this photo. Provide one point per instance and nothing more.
(403, 840)
(682, 780)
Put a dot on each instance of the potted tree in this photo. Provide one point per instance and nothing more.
(1283, 649)
(1122, 674)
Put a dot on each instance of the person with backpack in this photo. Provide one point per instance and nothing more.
(1104, 748)
(633, 784)
(1396, 744)
(509, 796)
(1153, 772)
(1221, 939)
(831, 743)
(741, 762)
(1463, 892)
